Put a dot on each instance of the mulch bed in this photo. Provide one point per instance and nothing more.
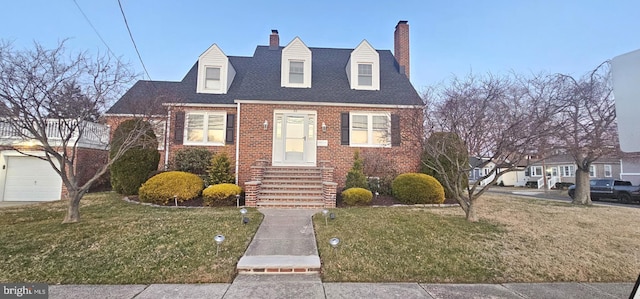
(380, 200)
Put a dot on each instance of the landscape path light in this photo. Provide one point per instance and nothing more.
(325, 213)
(243, 212)
(237, 200)
(219, 239)
(334, 243)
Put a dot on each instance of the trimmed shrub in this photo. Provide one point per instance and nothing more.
(220, 194)
(161, 188)
(133, 167)
(417, 188)
(355, 176)
(357, 196)
(194, 160)
(219, 171)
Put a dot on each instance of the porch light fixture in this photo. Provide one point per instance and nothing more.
(219, 239)
(265, 125)
(324, 127)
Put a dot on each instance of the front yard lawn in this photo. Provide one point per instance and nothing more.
(121, 243)
(517, 240)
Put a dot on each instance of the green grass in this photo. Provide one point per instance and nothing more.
(408, 245)
(121, 243)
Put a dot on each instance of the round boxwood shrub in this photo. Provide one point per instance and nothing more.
(357, 196)
(417, 188)
(220, 194)
(161, 188)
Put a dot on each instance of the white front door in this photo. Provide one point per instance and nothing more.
(294, 141)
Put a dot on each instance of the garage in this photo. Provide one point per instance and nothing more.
(30, 179)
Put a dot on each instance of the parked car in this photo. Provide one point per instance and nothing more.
(623, 191)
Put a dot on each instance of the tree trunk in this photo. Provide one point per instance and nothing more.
(583, 189)
(73, 210)
(471, 212)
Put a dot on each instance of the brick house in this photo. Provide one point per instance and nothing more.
(289, 117)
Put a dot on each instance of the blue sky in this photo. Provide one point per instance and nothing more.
(447, 37)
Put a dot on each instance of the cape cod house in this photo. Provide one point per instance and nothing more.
(289, 117)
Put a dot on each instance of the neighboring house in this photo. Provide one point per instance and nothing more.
(27, 178)
(480, 168)
(561, 169)
(630, 168)
(289, 117)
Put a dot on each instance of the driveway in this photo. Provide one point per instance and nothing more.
(560, 195)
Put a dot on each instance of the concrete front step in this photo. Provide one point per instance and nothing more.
(279, 264)
(290, 204)
(292, 197)
(309, 186)
(293, 191)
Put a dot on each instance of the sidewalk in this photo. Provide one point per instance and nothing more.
(285, 242)
(310, 286)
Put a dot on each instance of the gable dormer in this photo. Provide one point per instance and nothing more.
(215, 72)
(363, 68)
(295, 66)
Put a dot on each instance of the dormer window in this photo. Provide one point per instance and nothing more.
(295, 66)
(363, 67)
(215, 72)
(212, 78)
(365, 74)
(296, 72)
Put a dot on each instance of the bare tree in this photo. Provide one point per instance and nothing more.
(587, 123)
(47, 96)
(497, 119)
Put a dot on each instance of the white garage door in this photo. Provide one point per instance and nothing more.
(31, 179)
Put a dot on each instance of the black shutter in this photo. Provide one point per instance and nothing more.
(344, 128)
(230, 132)
(395, 130)
(178, 133)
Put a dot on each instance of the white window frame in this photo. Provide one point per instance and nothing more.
(290, 72)
(567, 171)
(370, 75)
(608, 171)
(205, 128)
(206, 79)
(370, 129)
(593, 171)
(536, 171)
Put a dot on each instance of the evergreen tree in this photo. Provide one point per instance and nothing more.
(355, 176)
(220, 170)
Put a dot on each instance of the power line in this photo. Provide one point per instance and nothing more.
(132, 40)
(95, 30)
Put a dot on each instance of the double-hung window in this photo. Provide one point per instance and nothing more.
(592, 171)
(296, 72)
(567, 170)
(365, 74)
(212, 78)
(536, 171)
(607, 171)
(205, 128)
(370, 129)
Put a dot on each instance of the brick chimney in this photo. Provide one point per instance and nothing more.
(274, 40)
(401, 47)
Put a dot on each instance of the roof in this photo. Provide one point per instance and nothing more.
(568, 159)
(258, 78)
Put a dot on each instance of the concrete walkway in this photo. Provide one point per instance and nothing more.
(286, 241)
(310, 286)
